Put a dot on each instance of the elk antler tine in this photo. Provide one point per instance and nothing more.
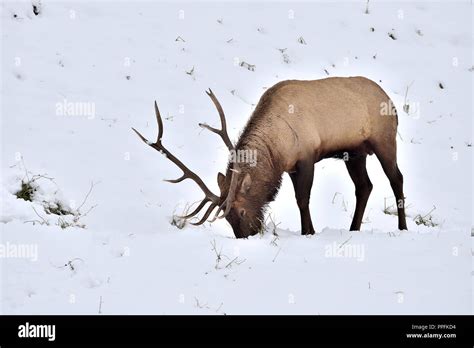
(160, 123)
(227, 204)
(175, 181)
(226, 212)
(223, 131)
(216, 214)
(205, 216)
(224, 206)
(197, 210)
(212, 129)
(141, 137)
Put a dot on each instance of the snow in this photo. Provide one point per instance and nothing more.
(79, 75)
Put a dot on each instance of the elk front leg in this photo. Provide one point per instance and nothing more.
(302, 179)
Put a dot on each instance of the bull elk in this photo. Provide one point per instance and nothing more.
(294, 125)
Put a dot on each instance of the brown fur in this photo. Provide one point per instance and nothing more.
(298, 123)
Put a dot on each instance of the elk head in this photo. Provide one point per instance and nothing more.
(235, 201)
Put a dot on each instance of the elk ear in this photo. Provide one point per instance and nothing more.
(246, 184)
(220, 180)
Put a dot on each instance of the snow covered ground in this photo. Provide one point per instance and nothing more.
(78, 75)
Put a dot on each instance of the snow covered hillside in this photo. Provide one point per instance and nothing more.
(87, 223)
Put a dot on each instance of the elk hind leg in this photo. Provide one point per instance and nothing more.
(387, 155)
(356, 167)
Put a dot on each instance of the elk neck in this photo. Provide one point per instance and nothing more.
(261, 162)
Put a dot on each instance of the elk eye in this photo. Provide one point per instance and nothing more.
(242, 213)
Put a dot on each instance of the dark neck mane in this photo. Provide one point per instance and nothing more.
(266, 173)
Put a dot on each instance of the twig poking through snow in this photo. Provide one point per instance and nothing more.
(248, 66)
(236, 94)
(285, 57)
(219, 257)
(334, 197)
(178, 220)
(406, 104)
(43, 222)
(70, 264)
(340, 246)
(398, 133)
(218, 308)
(218, 253)
(198, 305)
(274, 225)
(278, 252)
(274, 240)
(236, 261)
(389, 210)
(191, 72)
(426, 220)
(301, 40)
(343, 203)
(100, 305)
(87, 196)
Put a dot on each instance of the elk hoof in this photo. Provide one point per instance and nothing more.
(305, 233)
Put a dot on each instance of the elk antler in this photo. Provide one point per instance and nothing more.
(187, 174)
(227, 203)
(223, 131)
